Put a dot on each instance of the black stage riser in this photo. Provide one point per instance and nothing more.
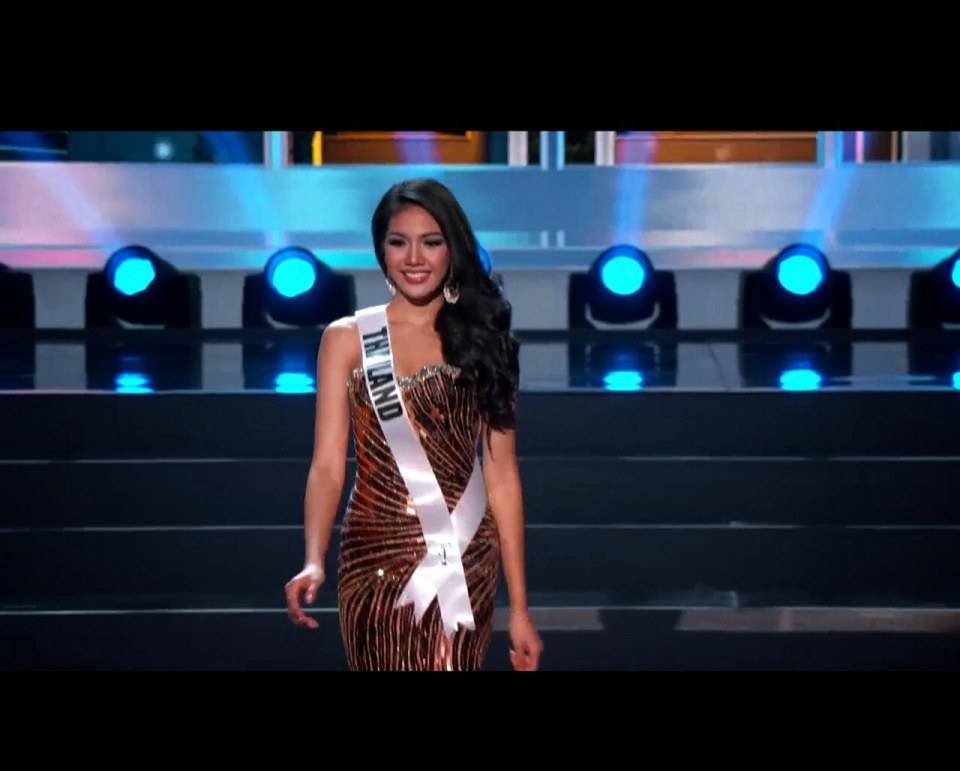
(818, 566)
(588, 490)
(174, 425)
(267, 641)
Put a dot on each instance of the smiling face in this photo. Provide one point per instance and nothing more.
(416, 253)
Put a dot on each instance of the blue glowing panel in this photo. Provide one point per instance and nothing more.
(800, 274)
(623, 380)
(294, 383)
(800, 380)
(623, 275)
(133, 275)
(133, 383)
(292, 276)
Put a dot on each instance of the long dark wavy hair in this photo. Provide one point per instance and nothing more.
(475, 331)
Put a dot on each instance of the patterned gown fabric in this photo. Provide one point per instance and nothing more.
(382, 541)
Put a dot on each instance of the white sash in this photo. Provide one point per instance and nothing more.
(440, 573)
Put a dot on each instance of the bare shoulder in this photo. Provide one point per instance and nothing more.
(340, 338)
(342, 326)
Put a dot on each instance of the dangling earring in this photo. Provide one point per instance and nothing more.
(451, 294)
(391, 287)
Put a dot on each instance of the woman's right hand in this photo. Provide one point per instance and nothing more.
(303, 587)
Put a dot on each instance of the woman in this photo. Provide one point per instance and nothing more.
(426, 528)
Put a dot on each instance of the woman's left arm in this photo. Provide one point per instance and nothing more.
(502, 481)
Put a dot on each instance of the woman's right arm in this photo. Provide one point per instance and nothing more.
(327, 466)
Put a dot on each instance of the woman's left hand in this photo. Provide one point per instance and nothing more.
(525, 654)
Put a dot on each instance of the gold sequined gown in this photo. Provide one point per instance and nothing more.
(381, 539)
